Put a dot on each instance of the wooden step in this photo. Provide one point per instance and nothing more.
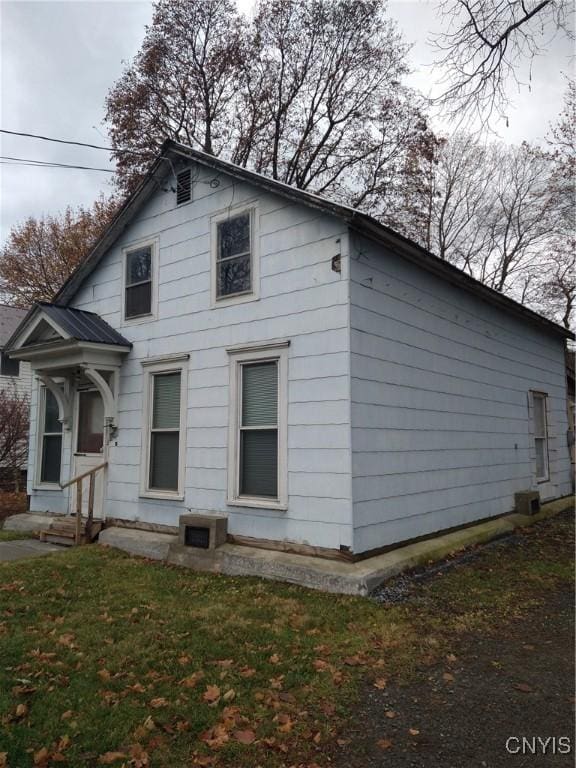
(63, 531)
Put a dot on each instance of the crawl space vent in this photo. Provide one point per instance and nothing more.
(183, 187)
(197, 537)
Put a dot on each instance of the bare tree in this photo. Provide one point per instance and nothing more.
(483, 45)
(309, 92)
(14, 427)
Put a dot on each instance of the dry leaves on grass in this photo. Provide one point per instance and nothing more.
(211, 695)
(384, 743)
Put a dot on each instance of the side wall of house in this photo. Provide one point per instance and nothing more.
(441, 423)
(302, 299)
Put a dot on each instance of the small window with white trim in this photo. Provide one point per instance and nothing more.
(540, 427)
(258, 447)
(139, 281)
(50, 440)
(234, 258)
(165, 425)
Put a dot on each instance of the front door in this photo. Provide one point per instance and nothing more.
(89, 447)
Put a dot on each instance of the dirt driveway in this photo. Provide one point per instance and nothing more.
(517, 683)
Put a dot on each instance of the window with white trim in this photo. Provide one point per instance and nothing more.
(258, 445)
(540, 427)
(138, 282)
(165, 428)
(234, 256)
(8, 366)
(50, 439)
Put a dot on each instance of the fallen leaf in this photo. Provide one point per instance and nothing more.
(320, 665)
(67, 715)
(247, 672)
(159, 702)
(524, 687)
(451, 658)
(274, 659)
(215, 737)
(111, 757)
(41, 757)
(103, 674)
(192, 680)
(380, 683)
(449, 678)
(229, 695)
(3, 759)
(413, 731)
(21, 710)
(384, 743)
(211, 695)
(245, 737)
(390, 714)
(353, 661)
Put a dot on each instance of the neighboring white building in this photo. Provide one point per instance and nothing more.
(234, 346)
(15, 377)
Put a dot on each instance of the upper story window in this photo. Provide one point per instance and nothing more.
(9, 367)
(139, 281)
(234, 261)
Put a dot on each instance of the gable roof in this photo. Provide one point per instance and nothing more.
(10, 319)
(77, 324)
(356, 220)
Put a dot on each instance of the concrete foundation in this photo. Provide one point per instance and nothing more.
(337, 576)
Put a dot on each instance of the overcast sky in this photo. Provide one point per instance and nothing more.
(59, 59)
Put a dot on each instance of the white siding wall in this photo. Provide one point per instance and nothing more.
(441, 434)
(21, 384)
(301, 299)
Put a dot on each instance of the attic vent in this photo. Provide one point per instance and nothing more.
(194, 536)
(183, 187)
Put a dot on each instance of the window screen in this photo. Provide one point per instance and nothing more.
(259, 430)
(138, 282)
(9, 367)
(165, 432)
(233, 256)
(51, 441)
(90, 422)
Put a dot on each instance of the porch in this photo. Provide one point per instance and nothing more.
(75, 358)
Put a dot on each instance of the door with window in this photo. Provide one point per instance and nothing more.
(89, 451)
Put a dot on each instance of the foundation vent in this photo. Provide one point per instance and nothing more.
(194, 536)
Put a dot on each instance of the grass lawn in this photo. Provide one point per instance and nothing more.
(15, 535)
(110, 660)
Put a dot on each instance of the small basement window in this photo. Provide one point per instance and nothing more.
(194, 536)
(183, 187)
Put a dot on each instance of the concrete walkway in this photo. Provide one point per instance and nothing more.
(23, 548)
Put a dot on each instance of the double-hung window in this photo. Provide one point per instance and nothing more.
(540, 427)
(51, 439)
(138, 282)
(165, 425)
(234, 261)
(257, 444)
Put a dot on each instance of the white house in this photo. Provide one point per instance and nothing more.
(236, 347)
(15, 377)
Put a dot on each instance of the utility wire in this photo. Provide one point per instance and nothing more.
(75, 143)
(48, 164)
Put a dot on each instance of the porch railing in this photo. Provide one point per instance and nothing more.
(91, 473)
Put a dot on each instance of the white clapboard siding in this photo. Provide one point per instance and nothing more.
(441, 431)
(301, 299)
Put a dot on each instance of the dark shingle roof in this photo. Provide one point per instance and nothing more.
(83, 326)
(10, 318)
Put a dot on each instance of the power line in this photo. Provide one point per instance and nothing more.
(26, 161)
(75, 143)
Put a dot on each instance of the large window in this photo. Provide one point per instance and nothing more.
(234, 262)
(165, 420)
(257, 460)
(540, 427)
(51, 439)
(138, 288)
